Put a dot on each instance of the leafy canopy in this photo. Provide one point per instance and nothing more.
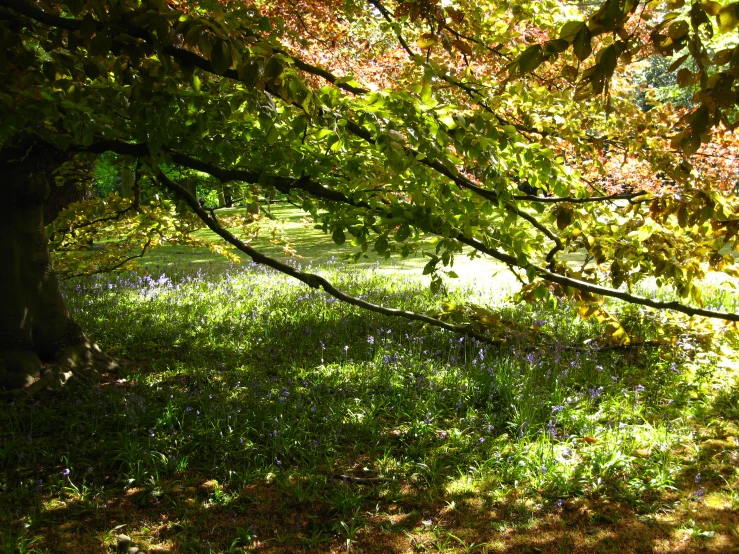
(508, 128)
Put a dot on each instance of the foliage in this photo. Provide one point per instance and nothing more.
(107, 179)
(657, 85)
(366, 429)
(387, 123)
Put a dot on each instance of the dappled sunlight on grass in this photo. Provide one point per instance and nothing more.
(255, 413)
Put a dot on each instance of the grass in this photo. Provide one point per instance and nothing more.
(314, 248)
(257, 415)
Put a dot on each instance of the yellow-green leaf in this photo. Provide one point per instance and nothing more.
(426, 40)
(728, 18)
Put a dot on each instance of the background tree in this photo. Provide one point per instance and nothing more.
(386, 123)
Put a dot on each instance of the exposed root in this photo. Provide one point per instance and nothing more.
(27, 375)
(18, 368)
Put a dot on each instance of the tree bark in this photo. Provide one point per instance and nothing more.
(38, 337)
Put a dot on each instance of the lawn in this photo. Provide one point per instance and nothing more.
(253, 414)
(313, 248)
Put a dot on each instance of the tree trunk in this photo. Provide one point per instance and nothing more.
(38, 337)
(127, 181)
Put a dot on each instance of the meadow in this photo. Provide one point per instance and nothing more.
(253, 414)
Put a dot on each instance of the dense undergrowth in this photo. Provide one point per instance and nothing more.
(255, 413)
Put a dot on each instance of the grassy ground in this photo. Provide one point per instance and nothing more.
(257, 415)
(314, 248)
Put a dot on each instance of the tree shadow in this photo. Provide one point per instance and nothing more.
(280, 492)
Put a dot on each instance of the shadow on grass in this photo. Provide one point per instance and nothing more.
(268, 435)
(184, 516)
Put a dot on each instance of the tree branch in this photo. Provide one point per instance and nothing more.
(575, 200)
(111, 268)
(325, 193)
(310, 279)
(597, 289)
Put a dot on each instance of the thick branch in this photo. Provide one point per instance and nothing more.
(310, 279)
(575, 200)
(597, 289)
(282, 184)
(196, 60)
(320, 191)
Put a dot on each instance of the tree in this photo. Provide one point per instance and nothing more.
(386, 122)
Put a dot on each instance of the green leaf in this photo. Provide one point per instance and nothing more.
(608, 58)
(530, 59)
(381, 245)
(92, 71)
(339, 236)
(430, 267)
(581, 45)
(196, 84)
(100, 44)
(273, 135)
(436, 284)
(700, 120)
(463, 47)
(569, 72)
(323, 133)
(557, 46)
(426, 92)
(570, 30)
(403, 232)
(220, 56)
(682, 216)
(711, 8)
(564, 217)
(75, 6)
(690, 144)
(87, 136)
(685, 78)
(272, 69)
(677, 63)
(193, 34)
